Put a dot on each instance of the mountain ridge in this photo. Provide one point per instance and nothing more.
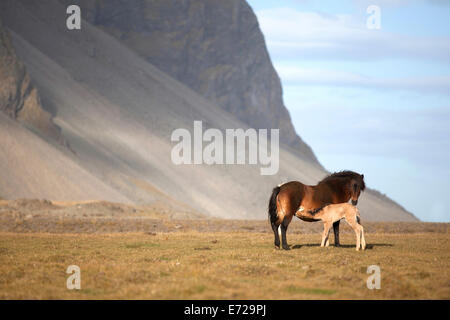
(19, 98)
(214, 47)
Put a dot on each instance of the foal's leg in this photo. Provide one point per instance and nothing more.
(327, 241)
(363, 240)
(326, 234)
(277, 236)
(358, 237)
(356, 227)
(336, 233)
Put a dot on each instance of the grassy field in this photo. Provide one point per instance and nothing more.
(222, 265)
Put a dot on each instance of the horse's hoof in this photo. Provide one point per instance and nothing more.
(337, 245)
(286, 248)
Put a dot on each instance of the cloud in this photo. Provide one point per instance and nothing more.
(418, 134)
(310, 35)
(439, 2)
(293, 76)
(384, 3)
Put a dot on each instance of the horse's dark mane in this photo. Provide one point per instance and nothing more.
(345, 174)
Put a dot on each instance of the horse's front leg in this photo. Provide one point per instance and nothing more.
(336, 233)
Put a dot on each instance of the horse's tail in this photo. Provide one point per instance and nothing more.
(273, 217)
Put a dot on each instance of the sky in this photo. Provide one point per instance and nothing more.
(372, 100)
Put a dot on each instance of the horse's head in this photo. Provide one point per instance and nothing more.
(343, 186)
(357, 185)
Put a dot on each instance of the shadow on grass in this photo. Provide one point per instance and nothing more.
(369, 246)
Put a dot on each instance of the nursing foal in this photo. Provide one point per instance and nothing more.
(335, 212)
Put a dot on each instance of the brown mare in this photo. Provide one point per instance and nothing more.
(293, 197)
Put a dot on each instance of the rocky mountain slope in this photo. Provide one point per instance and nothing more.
(118, 111)
(214, 47)
(19, 98)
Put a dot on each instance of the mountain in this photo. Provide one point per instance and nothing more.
(18, 96)
(214, 47)
(117, 112)
(34, 158)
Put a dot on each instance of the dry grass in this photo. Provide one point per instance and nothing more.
(221, 265)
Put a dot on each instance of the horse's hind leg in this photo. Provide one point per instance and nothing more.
(336, 233)
(277, 235)
(283, 227)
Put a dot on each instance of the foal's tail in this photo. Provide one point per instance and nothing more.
(273, 205)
